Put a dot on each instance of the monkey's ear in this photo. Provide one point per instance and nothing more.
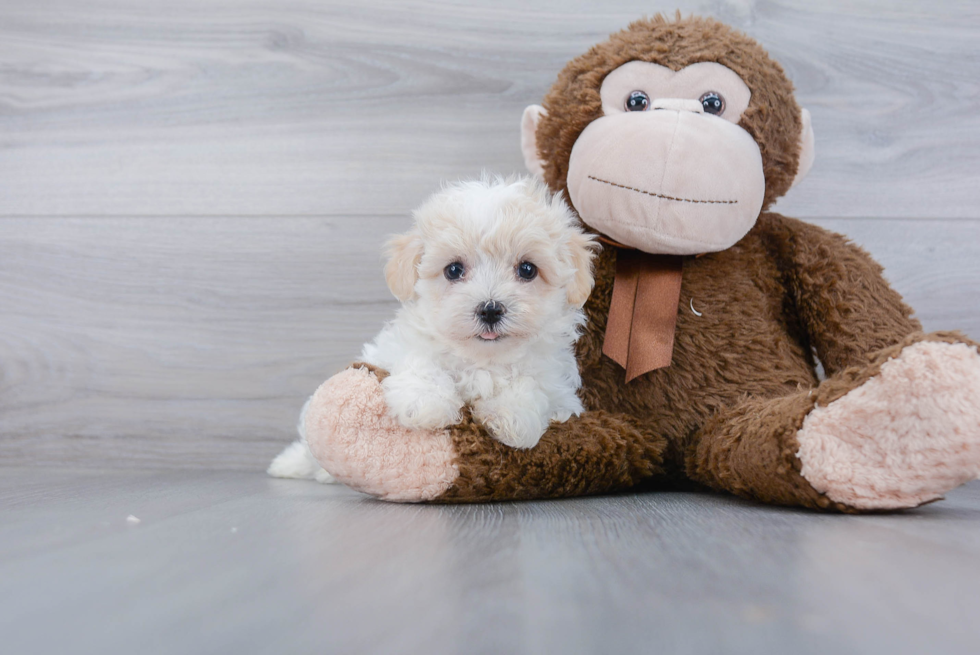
(806, 148)
(529, 142)
(401, 272)
(583, 249)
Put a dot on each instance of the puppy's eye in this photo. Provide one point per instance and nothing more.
(527, 271)
(454, 271)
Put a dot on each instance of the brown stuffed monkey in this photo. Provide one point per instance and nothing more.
(671, 140)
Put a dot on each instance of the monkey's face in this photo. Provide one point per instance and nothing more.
(666, 168)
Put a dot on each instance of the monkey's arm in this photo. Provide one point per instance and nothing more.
(847, 309)
(596, 452)
(353, 437)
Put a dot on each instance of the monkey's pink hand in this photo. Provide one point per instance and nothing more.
(353, 437)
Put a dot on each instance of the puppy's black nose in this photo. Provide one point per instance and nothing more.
(491, 312)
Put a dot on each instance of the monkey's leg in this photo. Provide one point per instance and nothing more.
(896, 433)
(354, 438)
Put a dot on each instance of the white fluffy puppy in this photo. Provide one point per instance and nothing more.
(492, 279)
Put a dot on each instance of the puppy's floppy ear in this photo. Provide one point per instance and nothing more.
(582, 249)
(404, 253)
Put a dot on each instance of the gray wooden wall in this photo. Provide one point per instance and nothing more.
(193, 193)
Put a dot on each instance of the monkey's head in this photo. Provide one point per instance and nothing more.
(671, 136)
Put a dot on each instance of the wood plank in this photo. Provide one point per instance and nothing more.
(192, 343)
(188, 342)
(235, 562)
(214, 107)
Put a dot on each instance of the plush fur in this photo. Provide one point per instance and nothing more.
(773, 118)
(920, 408)
(370, 450)
(740, 409)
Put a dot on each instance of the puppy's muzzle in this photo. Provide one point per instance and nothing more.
(491, 312)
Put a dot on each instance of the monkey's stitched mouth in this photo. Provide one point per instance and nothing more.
(665, 197)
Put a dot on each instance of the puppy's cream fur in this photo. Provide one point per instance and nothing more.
(516, 375)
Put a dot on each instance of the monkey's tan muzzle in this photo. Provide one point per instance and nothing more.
(671, 180)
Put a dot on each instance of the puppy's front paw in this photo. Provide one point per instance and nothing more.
(511, 423)
(421, 404)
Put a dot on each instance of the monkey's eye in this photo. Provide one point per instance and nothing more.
(454, 271)
(638, 101)
(713, 103)
(527, 271)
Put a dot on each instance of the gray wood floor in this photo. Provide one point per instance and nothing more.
(233, 562)
(192, 199)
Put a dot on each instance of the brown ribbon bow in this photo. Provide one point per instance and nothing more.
(643, 312)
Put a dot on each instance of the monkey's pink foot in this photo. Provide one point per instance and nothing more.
(904, 437)
(352, 436)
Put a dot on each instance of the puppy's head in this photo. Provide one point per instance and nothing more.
(492, 263)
